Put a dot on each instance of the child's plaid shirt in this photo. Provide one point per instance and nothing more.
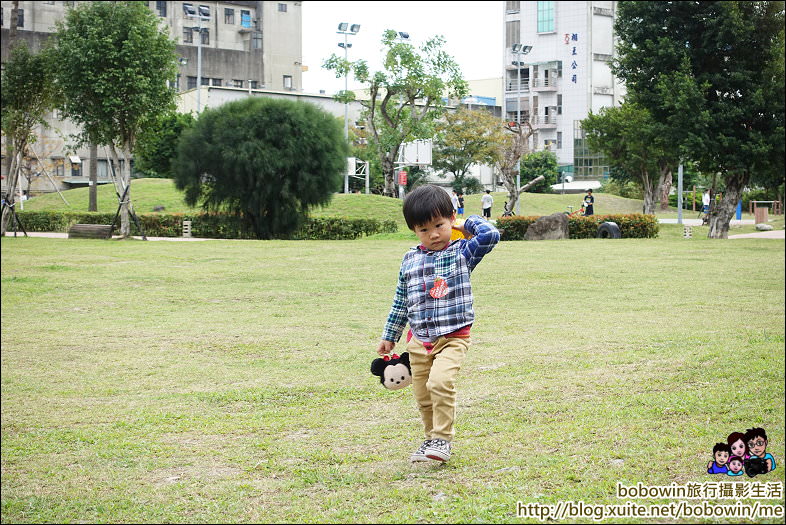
(431, 317)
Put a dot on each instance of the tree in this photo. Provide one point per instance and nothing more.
(157, 145)
(637, 147)
(464, 138)
(513, 147)
(540, 163)
(406, 98)
(266, 160)
(112, 61)
(712, 73)
(27, 97)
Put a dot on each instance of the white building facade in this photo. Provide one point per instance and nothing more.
(565, 72)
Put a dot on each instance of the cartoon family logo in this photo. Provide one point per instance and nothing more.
(742, 454)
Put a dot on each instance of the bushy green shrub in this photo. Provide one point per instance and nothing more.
(206, 225)
(632, 226)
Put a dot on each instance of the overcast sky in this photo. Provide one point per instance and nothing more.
(473, 33)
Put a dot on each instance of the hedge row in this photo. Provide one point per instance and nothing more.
(211, 226)
(634, 225)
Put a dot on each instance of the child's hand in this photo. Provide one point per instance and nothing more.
(385, 347)
(460, 228)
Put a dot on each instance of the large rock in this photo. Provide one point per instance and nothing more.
(764, 227)
(554, 226)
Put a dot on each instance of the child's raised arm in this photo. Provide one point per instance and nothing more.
(484, 237)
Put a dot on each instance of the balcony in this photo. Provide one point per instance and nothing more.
(545, 122)
(512, 86)
(544, 84)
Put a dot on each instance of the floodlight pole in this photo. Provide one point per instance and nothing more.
(353, 30)
(518, 122)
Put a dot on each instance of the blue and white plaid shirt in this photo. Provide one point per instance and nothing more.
(430, 317)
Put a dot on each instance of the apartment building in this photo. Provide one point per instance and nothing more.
(243, 45)
(557, 69)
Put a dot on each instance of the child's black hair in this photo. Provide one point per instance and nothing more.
(723, 447)
(425, 203)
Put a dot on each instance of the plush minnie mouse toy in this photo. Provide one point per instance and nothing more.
(393, 371)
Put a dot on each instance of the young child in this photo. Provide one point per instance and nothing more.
(721, 453)
(735, 466)
(435, 296)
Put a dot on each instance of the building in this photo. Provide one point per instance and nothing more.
(243, 45)
(560, 73)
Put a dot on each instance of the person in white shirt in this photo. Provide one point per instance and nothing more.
(486, 201)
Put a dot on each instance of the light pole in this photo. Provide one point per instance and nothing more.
(342, 30)
(203, 14)
(519, 49)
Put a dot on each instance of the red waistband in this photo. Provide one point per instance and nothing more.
(461, 332)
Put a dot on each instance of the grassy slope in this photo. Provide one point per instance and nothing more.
(148, 193)
(227, 381)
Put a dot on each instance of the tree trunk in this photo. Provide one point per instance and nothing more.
(664, 186)
(721, 215)
(10, 196)
(389, 172)
(93, 166)
(120, 187)
(650, 193)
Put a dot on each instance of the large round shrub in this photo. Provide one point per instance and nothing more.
(267, 160)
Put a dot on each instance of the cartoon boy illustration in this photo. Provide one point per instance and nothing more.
(735, 466)
(721, 452)
(756, 438)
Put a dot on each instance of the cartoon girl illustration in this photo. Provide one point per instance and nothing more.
(739, 448)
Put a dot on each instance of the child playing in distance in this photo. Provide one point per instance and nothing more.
(435, 296)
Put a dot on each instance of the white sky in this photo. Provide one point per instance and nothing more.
(472, 30)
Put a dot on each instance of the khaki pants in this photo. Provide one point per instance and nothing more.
(433, 382)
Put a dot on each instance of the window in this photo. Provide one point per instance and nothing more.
(188, 36)
(205, 81)
(204, 12)
(252, 84)
(205, 36)
(188, 10)
(245, 18)
(559, 140)
(58, 167)
(177, 82)
(559, 104)
(237, 83)
(217, 81)
(103, 169)
(229, 16)
(545, 17)
(512, 33)
(512, 7)
(256, 40)
(21, 21)
(76, 169)
(282, 8)
(191, 83)
(161, 8)
(287, 81)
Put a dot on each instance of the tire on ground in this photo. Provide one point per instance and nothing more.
(609, 230)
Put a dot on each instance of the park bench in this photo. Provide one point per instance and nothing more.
(90, 231)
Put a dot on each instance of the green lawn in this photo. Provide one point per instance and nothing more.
(228, 381)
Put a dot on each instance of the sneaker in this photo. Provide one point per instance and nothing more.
(438, 449)
(420, 453)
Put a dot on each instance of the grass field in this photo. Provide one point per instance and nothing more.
(228, 381)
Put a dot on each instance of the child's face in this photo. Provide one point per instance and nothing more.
(735, 465)
(738, 448)
(721, 457)
(435, 234)
(757, 446)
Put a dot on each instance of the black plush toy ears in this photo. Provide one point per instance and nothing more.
(378, 366)
(404, 358)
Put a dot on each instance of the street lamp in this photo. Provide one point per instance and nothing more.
(519, 49)
(342, 30)
(203, 14)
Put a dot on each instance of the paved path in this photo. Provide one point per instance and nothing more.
(59, 235)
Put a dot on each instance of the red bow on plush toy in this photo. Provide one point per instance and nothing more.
(393, 371)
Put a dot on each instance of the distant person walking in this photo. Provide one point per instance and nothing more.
(460, 205)
(486, 202)
(454, 201)
(705, 202)
(589, 203)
